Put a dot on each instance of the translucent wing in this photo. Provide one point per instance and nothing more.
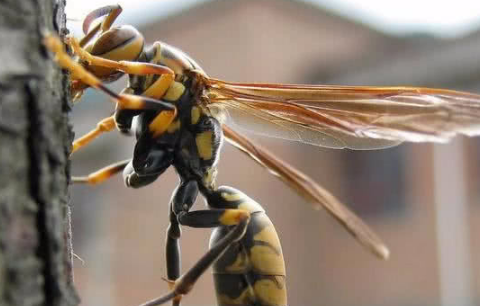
(311, 191)
(347, 116)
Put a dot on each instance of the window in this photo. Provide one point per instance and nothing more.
(374, 180)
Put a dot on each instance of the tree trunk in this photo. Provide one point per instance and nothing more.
(35, 138)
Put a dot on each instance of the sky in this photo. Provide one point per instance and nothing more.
(439, 17)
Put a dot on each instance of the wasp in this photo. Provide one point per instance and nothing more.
(180, 117)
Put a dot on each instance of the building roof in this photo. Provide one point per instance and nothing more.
(422, 61)
(212, 8)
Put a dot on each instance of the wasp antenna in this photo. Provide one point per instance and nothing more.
(100, 12)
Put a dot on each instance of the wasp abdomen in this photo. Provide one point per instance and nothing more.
(252, 270)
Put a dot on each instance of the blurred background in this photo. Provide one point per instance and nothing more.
(422, 199)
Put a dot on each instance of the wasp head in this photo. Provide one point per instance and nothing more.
(122, 43)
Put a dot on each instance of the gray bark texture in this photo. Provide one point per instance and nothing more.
(35, 138)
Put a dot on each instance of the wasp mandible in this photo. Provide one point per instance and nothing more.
(181, 117)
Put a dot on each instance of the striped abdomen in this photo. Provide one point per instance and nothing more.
(252, 270)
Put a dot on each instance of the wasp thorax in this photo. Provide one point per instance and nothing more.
(122, 43)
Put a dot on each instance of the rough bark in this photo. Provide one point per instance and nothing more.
(35, 263)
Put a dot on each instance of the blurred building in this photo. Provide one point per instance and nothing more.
(120, 232)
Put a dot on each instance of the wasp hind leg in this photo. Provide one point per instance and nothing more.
(207, 219)
(237, 218)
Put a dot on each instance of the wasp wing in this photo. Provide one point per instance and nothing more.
(311, 191)
(356, 117)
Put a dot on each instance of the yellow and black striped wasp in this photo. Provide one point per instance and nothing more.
(180, 116)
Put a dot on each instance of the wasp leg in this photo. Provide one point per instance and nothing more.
(206, 219)
(101, 175)
(122, 119)
(138, 68)
(157, 127)
(183, 199)
(172, 253)
(104, 126)
(113, 12)
(78, 72)
(124, 101)
(168, 111)
(157, 90)
(131, 178)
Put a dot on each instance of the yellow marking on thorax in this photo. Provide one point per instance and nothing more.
(164, 87)
(174, 126)
(209, 178)
(174, 92)
(195, 114)
(161, 123)
(267, 258)
(204, 145)
(270, 291)
(158, 89)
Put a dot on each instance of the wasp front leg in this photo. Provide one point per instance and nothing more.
(164, 87)
(81, 76)
(167, 111)
(131, 177)
(129, 67)
(131, 105)
(122, 119)
(101, 175)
